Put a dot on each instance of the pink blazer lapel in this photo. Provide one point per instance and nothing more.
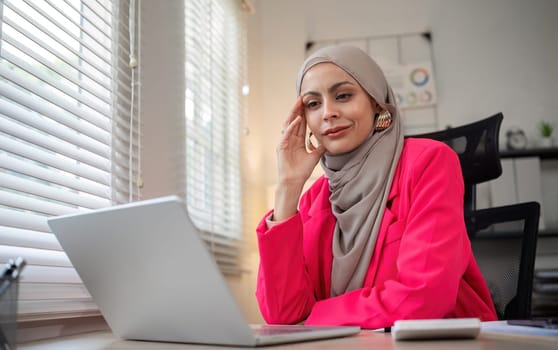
(388, 218)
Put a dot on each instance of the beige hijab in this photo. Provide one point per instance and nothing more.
(359, 180)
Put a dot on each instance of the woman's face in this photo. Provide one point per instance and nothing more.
(338, 111)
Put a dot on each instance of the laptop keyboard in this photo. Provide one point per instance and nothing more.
(282, 329)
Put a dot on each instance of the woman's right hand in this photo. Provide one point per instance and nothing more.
(294, 161)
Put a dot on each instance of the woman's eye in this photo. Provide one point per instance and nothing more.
(311, 104)
(344, 96)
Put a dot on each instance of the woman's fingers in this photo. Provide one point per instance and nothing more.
(292, 128)
(298, 112)
(301, 130)
(295, 112)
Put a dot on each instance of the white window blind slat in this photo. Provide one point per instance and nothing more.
(55, 113)
(100, 91)
(10, 236)
(71, 90)
(1, 21)
(50, 275)
(29, 135)
(30, 291)
(29, 39)
(37, 256)
(123, 84)
(53, 96)
(35, 310)
(86, 27)
(121, 133)
(123, 93)
(52, 128)
(19, 219)
(56, 178)
(32, 41)
(125, 99)
(58, 30)
(100, 12)
(55, 161)
(121, 171)
(60, 22)
(32, 203)
(59, 41)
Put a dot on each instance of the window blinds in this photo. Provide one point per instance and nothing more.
(69, 131)
(215, 73)
(67, 138)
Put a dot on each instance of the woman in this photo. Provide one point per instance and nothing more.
(381, 236)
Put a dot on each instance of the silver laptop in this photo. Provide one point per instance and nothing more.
(153, 278)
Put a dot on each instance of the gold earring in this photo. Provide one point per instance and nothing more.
(309, 145)
(308, 141)
(383, 120)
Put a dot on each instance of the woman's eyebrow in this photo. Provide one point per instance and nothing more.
(330, 89)
(337, 85)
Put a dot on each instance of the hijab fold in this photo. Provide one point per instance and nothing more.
(360, 180)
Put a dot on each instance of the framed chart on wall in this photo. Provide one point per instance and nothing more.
(406, 60)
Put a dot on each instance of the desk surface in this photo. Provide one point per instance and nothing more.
(543, 153)
(366, 339)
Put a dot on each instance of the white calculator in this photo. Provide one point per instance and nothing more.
(448, 328)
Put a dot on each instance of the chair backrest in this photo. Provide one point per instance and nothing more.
(504, 242)
(504, 239)
(476, 144)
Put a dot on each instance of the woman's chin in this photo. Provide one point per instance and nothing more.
(339, 149)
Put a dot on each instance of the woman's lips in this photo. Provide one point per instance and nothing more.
(335, 132)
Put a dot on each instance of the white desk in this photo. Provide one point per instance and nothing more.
(368, 340)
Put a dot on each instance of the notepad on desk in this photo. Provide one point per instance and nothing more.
(519, 327)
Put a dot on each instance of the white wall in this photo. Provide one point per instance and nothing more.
(497, 55)
(489, 56)
(162, 96)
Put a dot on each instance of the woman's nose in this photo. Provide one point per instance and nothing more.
(330, 110)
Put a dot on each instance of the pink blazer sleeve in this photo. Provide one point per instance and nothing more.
(432, 255)
(284, 293)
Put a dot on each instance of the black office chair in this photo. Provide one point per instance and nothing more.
(476, 144)
(504, 242)
(503, 238)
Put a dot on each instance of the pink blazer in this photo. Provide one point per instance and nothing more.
(422, 265)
